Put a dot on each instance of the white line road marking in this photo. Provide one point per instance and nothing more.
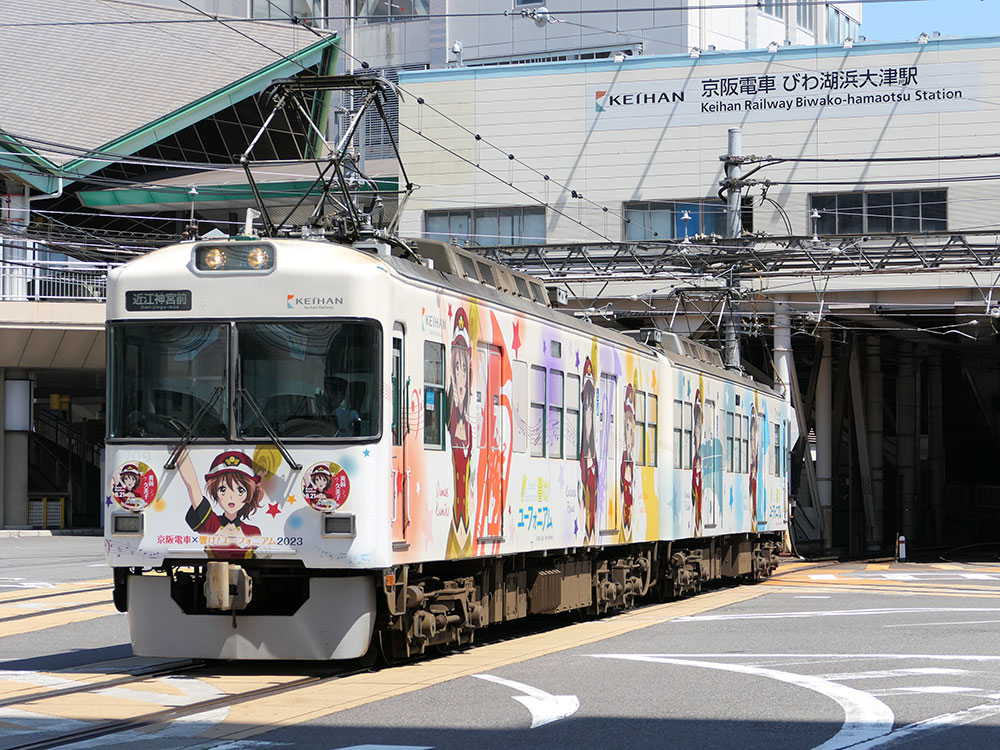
(865, 716)
(928, 624)
(932, 657)
(930, 690)
(386, 747)
(917, 576)
(833, 613)
(886, 673)
(935, 724)
(544, 707)
(20, 583)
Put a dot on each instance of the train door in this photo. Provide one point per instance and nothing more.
(400, 466)
(609, 446)
(711, 466)
(493, 427)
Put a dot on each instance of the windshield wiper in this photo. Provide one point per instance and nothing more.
(270, 430)
(189, 434)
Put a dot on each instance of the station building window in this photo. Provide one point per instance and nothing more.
(774, 8)
(806, 16)
(840, 26)
(487, 227)
(378, 11)
(875, 212)
(653, 220)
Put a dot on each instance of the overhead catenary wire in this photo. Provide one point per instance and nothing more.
(454, 14)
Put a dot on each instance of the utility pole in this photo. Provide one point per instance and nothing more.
(734, 226)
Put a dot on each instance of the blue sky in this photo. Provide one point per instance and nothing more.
(894, 21)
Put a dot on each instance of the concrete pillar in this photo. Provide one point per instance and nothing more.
(824, 440)
(906, 440)
(873, 393)
(14, 483)
(935, 439)
(783, 361)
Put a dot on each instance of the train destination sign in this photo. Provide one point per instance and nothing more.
(158, 300)
(792, 93)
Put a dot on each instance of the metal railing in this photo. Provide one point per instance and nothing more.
(51, 280)
(67, 436)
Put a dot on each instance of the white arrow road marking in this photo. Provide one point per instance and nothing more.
(865, 717)
(544, 707)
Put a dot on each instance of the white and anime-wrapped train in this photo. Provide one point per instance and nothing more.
(314, 450)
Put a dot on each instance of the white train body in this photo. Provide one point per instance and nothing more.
(438, 425)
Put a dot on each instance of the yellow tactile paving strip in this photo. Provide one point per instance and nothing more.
(30, 610)
(846, 579)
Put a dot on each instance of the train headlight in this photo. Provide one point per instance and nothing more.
(214, 258)
(234, 257)
(258, 258)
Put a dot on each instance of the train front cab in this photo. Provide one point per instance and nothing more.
(215, 377)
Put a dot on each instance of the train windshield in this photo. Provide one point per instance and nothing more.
(309, 379)
(164, 377)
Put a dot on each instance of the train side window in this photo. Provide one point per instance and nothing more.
(678, 435)
(434, 394)
(397, 391)
(651, 430)
(746, 445)
(639, 448)
(776, 457)
(727, 453)
(554, 427)
(688, 432)
(520, 418)
(572, 425)
(536, 411)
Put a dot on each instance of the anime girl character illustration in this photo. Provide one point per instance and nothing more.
(628, 463)
(588, 451)
(133, 486)
(754, 453)
(460, 432)
(234, 487)
(128, 480)
(326, 487)
(696, 468)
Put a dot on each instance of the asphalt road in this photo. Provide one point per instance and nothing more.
(833, 656)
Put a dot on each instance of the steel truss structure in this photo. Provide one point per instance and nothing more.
(754, 256)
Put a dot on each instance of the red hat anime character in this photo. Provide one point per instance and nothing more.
(630, 399)
(588, 375)
(232, 461)
(461, 330)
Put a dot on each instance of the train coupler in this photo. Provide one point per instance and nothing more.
(227, 586)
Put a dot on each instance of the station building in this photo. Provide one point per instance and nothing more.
(866, 245)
